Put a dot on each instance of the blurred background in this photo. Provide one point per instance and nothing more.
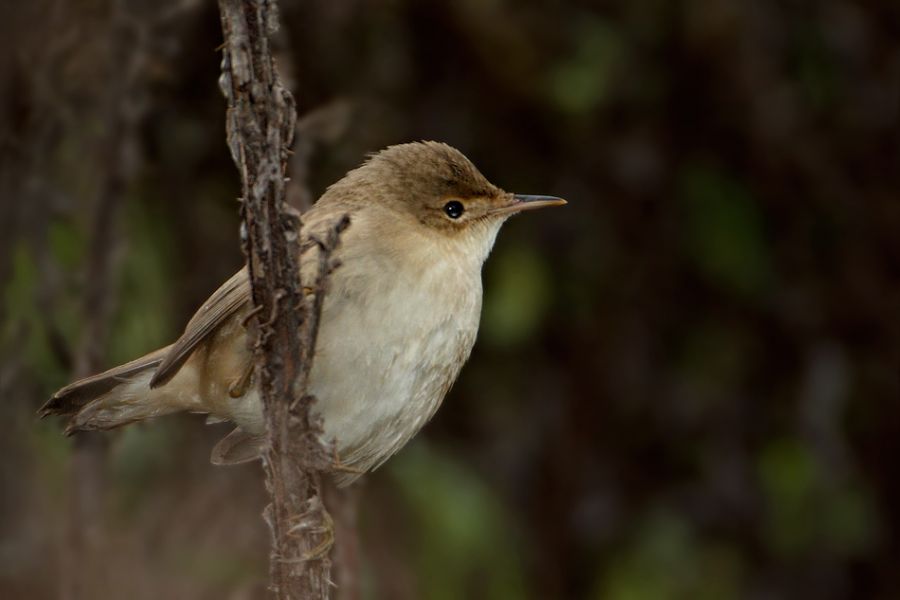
(687, 382)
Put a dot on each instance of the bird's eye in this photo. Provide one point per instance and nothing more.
(454, 209)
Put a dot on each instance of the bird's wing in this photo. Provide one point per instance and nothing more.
(237, 447)
(224, 303)
(234, 295)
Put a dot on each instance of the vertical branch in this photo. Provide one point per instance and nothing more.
(260, 127)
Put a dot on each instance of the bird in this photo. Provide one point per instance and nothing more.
(398, 321)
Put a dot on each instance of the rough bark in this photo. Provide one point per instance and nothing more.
(260, 128)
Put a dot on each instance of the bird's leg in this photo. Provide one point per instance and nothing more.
(240, 385)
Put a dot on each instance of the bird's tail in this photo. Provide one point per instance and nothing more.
(114, 398)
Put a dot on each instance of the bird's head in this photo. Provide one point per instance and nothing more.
(433, 188)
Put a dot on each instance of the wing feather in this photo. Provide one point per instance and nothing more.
(224, 303)
(235, 294)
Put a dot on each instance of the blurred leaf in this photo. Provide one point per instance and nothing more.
(465, 537)
(665, 561)
(25, 326)
(724, 231)
(139, 455)
(143, 320)
(788, 475)
(580, 83)
(51, 452)
(18, 295)
(851, 521)
(67, 243)
(815, 68)
(806, 509)
(517, 295)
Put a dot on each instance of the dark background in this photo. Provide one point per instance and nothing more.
(687, 382)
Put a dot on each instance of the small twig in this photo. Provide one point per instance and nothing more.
(326, 249)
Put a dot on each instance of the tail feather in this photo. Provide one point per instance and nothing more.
(237, 448)
(110, 399)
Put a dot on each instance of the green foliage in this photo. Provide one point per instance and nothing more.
(666, 561)
(805, 509)
(815, 68)
(68, 244)
(466, 540)
(142, 322)
(724, 235)
(140, 454)
(18, 297)
(585, 79)
(788, 475)
(51, 453)
(25, 328)
(518, 283)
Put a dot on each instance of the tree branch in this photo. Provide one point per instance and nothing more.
(260, 128)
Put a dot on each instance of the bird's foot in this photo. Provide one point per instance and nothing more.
(322, 549)
(301, 525)
(338, 465)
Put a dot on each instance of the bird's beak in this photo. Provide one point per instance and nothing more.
(520, 202)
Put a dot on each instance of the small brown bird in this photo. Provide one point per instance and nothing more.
(397, 324)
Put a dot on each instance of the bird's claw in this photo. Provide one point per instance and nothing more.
(326, 530)
(240, 385)
(338, 465)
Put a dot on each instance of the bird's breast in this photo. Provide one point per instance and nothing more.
(391, 343)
